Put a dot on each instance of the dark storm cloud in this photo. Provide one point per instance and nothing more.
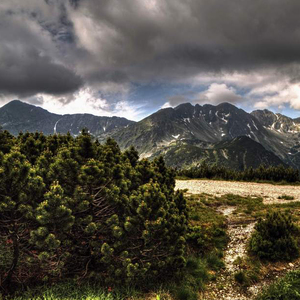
(30, 60)
(56, 46)
(27, 73)
(153, 39)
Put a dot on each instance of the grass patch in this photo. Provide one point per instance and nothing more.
(252, 206)
(250, 271)
(207, 227)
(214, 260)
(185, 286)
(247, 205)
(201, 212)
(287, 288)
(195, 276)
(73, 291)
(206, 239)
(86, 291)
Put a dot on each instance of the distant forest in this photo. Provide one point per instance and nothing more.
(262, 173)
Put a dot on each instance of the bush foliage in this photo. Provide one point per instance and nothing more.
(275, 238)
(71, 207)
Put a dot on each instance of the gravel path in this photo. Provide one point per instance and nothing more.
(239, 231)
(268, 192)
(225, 287)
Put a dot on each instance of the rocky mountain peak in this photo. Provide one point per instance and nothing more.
(276, 121)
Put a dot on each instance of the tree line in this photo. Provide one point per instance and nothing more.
(262, 173)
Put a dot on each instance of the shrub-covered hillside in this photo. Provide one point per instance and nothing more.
(70, 207)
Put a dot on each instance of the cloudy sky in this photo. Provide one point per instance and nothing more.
(132, 57)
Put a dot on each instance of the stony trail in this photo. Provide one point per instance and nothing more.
(239, 231)
(225, 287)
(268, 192)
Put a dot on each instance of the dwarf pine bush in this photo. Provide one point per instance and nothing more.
(71, 207)
(275, 238)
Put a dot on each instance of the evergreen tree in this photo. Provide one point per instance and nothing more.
(55, 219)
(65, 169)
(20, 190)
(275, 238)
(7, 141)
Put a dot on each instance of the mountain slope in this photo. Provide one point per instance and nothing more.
(276, 122)
(196, 125)
(17, 116)
(238, 153)
(207, 123)
(285, 133)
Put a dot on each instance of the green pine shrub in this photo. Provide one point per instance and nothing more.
(75, 208)
(275, 238)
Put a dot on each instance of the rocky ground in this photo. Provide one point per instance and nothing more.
(239, 230)
(268, 192)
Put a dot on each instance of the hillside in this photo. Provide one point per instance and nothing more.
(18, 116)
(238, 153)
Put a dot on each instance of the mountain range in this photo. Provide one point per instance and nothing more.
(18, 116)
(185, 135)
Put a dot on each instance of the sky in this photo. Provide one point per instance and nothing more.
(130, 58)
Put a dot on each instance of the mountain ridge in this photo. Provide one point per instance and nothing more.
(206, 131)
(210, 124)
(18, 116)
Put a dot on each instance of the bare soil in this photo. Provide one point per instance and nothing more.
(268, 192)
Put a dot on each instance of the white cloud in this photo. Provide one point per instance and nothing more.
(215, 94)
(289, 95)
(166, 105)
(83, 101)
(88, 102)
(129, 111)
(218, 93)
